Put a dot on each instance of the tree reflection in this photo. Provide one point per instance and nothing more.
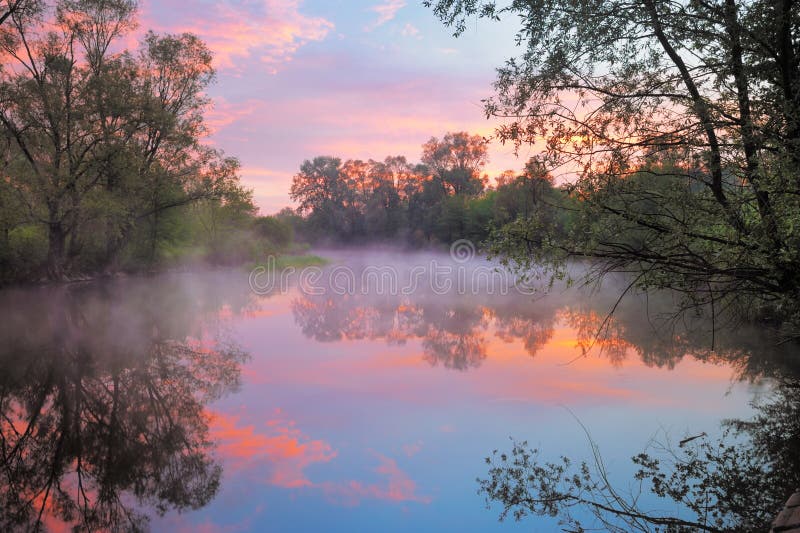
(738, 482)
(452, 335)
(455, 331)
(535, 331)
(102, 409)
(633, 330)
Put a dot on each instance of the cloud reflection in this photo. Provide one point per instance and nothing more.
(279, 444)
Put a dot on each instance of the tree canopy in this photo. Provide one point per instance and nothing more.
(104, 159)
(443, 198)
(677, 127)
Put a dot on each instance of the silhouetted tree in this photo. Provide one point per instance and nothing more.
(699, 102)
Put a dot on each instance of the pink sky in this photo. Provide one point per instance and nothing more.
(353, 79)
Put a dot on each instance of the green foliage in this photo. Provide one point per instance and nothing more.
(283, 261)
(682, 137)
(278, 233)
(104, 153)
(22, 250)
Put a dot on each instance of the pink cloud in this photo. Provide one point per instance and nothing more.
(386, 12)
(409, 30)
(397, 486)
(287, 453)
(412, 449)
(224, 113)
(235, 32)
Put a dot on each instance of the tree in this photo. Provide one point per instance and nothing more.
(456, 162)
(320, 190)
(48, 112)
(98, 142)
(699, 100)
(275, 230)
(225, 218)
(383, 211)
(9, 8)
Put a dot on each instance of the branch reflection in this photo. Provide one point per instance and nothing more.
(102, 406)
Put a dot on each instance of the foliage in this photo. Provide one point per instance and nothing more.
(283, 261)
(441, 200)
(104, 159)
(680, 124)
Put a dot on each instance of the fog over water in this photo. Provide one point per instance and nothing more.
(360, 395)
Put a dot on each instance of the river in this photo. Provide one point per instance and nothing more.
(232, 401)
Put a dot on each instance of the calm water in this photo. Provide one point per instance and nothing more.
(360, 411)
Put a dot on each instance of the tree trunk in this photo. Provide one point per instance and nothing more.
(55, 251)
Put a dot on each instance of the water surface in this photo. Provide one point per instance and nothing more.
(297, 409)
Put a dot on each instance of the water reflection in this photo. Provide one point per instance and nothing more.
(468, 333)
(737, 482)
(452, 333)
(102, 405)
(354, 410)
(455, 331)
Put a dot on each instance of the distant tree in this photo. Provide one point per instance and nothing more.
(276, 232)
(365, 201)
(322, 192)
(293, 220)
(383, 211)
(456, 162)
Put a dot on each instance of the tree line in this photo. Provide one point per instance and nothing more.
(104, 164)
(443, 198)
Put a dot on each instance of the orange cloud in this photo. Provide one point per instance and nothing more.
(283, 446)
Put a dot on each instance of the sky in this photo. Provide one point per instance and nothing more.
(354, 79)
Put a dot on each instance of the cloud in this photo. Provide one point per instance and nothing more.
(286, 453)
(386, 12)
(412, 449)
(396, 486)
(271, 31)
(280, 445)
(273, 123)
(409, 30)
(224, 113)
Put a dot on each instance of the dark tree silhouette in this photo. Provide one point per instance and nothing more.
(102, 413)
